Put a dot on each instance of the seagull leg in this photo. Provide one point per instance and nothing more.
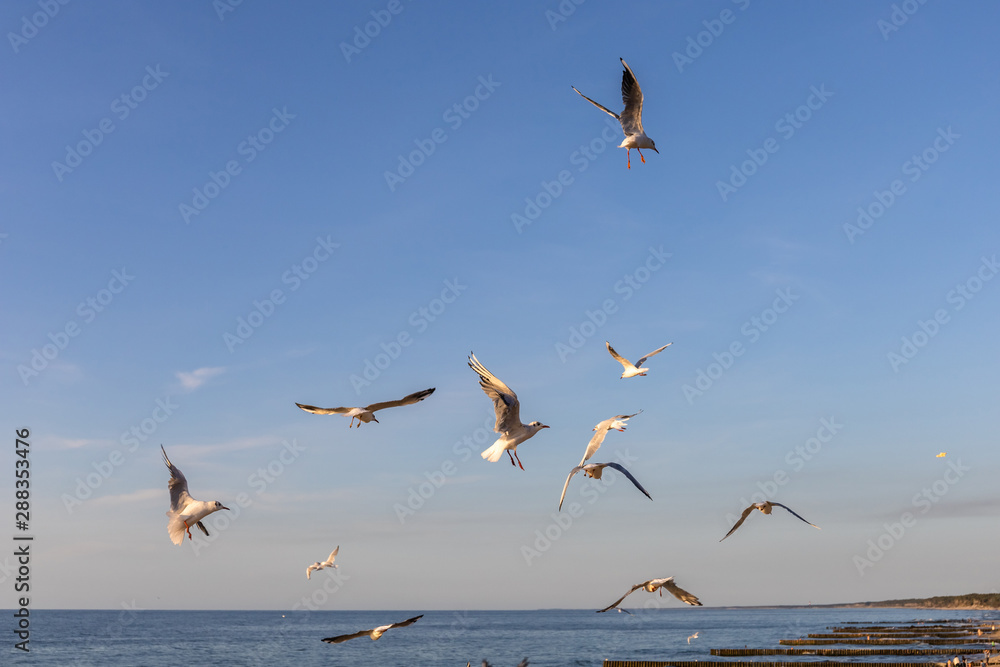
(518, 459)
(640, 156)
(188, 528)
(628, 156)
(510, 457)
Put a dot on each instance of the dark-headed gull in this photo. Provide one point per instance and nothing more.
(507, 407)
(631, 116)
(631, 370)
(766, 508)
(319, 566)
(595, 470)
(367, 413)
(185, 511)
(658, 584)
(601, 430)
(374, 633)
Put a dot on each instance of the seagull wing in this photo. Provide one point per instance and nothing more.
(619, 358)
(344, 638)
(619, 600)
(333, 554)
(600, 432)
(743, 518)
(599, 106)
(408, 400)
(409, 621)
(324, 411)
(681, 594)
(178, 485)
(620, 468)
(505, 402)
(631, 117)
(314, 566)
(790, 510)
(656, 351)
(203, 529)
(566, 485)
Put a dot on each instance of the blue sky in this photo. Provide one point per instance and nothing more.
(817, 237)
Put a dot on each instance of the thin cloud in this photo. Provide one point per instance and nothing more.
(198, 377)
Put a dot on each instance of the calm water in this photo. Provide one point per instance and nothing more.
(553, 637)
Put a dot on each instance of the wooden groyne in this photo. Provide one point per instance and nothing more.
(881, 642)
(754, 663)
(889, 635)
(842, 652)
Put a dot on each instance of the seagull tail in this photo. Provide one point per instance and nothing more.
(494, 453)
(176, 530)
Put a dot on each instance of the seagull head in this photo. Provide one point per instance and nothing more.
(537, 425)
(219, 506)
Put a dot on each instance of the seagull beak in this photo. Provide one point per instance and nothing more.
(543, 426)
(657, 152)
(224, 507)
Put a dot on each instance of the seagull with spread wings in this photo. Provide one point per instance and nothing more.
(601, 431)
(766, 508)
(631, 370)
(507, 407)
(630, 118)
(184, 510)
(327, 563)
(654, 585)
(595, 470)
(367, 413)
(374, 633)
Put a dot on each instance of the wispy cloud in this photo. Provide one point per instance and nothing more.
(58, 442)
(198, 377)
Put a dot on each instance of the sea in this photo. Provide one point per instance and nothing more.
(453, 638)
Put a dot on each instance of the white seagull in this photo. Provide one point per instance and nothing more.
(636, 369)
(766, 508)
(630, 118)
(185, 511)
(508, 425)
(595, 470)
(374, 633)
(658, 584)
(694, 636)
(617, 422)
(367, 413)
(319, 566)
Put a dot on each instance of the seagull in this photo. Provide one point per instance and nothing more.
(630, 370)
(367, 413)
(595, 470)
(185, 511)
(624, 611)
(658, 584)
(319, 566)
(694, 636)
(507, 407)
(617, 422)
(375, 633)
(630, 118)
(766, 508)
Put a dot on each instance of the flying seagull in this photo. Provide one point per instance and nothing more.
(630, 118)
(367, 413)
(319, 566)
(512, 431)
(630, 369)
(658, 584)
(595, 470)
(185, 511)
(766, 508)
(694, 636)
(374, 633)
(601, 430)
